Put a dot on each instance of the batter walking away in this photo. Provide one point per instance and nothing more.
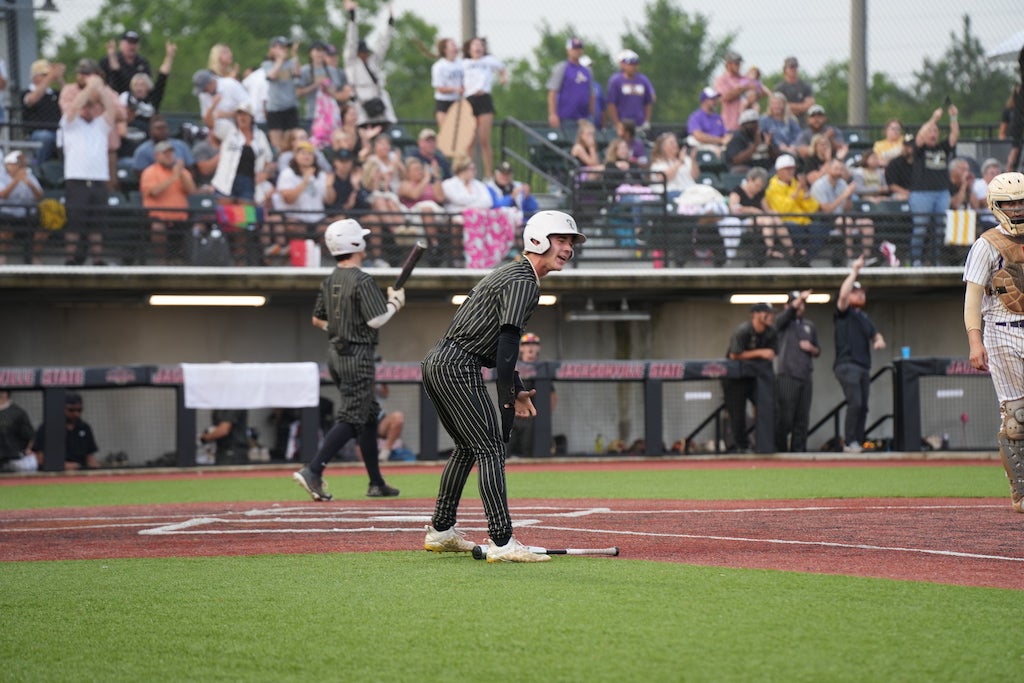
(855, 337)
(994, 274)
(351, 309)
(485, 333)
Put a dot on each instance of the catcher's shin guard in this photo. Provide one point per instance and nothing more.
(1012, 453)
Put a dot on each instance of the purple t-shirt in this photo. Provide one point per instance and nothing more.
(712, 123)
(630, 96)
(573, 85)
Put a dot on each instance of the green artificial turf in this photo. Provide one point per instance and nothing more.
(748, 483)
(414, 616)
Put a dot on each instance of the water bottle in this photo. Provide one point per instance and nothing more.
(599, 444)
(945, 441)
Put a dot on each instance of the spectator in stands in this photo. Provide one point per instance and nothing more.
(86, 126)
(835, 195)
(899, 170)
(15, 436)
(479, 72)
(705, 127)
(321, 78)
(123, 61)
(679, 166)
(990, 168)
(20, 194)
(303, 192)
(229, 431)
(506, 191)
(626, 130)
(390, 160)
(736, 90)
(143, 97)
(584, 149)
(869, 178)
(961, 187)
(749, 145)
(570, 90)
(41, 108)
(283, 69)
(891, 146)
(446, 78)
(630, 94)
(813, 165)
(798, 93)
(929, 182)
(464, 190)
(753, 342)
(79, 442)
(294, 136)
(817, 124)
(348, 195)
(617, 156)
(219, 100)
(422, 194)
(781, 124)
(355, 137)
(428, 153)
(245, 158)
(160, 131)
(365, 70)
(86, 68)
(787, 195)
(206, 153)
(386, 217)
(222, 61)
(798, 346)
(166, 184)
(747, 202)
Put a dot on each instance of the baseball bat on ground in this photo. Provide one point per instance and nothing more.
(480, 551)
(410, 262)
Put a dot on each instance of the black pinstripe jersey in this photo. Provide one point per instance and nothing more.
(348, 297)
(507, 296)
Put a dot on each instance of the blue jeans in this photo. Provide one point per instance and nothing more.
(929, 208)
(48, 149)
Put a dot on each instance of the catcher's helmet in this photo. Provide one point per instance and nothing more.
(1007, 187)
(543, 224)
(345, 237)
(529, 338)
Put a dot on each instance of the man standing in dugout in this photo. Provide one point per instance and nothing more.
(794, 374)
(485, 333)
(754, 342)
(351, 309)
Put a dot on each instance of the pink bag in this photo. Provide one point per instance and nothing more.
(326, 119)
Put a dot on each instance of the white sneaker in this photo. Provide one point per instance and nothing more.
(448, 541)
(384, 454)
(513, 551)
(853, 448)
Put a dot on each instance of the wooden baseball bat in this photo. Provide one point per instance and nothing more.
(480, 551)
(410, 262)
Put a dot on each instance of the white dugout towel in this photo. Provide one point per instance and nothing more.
(239, 386)
(961, 227)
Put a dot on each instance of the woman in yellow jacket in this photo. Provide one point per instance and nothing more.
(788, 196)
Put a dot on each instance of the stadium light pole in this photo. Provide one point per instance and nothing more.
(468, 20)
(857, 95)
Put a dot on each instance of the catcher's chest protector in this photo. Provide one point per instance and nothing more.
(1008, 281)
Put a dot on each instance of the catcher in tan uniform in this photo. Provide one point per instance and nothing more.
(994, 274)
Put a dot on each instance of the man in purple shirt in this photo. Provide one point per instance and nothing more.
(570, 89)
(629, 94)
(705, 128)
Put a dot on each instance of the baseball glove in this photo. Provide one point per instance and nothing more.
(1006, 284)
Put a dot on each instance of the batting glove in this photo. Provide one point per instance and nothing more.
(396, 297)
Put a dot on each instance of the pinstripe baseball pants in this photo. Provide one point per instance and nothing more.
(465, 407)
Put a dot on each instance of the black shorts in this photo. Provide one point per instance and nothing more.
(283, 120)
(482, 104)
(443, 105)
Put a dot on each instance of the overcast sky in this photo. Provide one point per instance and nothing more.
(901, 33)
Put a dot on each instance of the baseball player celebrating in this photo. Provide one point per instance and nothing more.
(994, 274)
(351, 308)
(485, 333)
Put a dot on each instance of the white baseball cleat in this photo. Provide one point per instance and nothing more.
(448, 541)
(513, 551)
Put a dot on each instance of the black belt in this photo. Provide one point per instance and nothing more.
(1012, 323)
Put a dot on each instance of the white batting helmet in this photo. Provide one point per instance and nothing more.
(1007, 187)
(543, 224)
(345, 237)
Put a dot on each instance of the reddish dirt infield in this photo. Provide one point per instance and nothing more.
(972, 542)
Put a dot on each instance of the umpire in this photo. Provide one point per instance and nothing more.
(351, 308)
(794, 374)
(485, 333)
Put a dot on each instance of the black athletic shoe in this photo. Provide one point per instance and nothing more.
(313, 483)
(382, 491)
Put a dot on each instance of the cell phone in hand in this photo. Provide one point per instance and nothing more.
(948, 101)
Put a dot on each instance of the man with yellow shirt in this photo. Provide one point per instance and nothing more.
(788, 196)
